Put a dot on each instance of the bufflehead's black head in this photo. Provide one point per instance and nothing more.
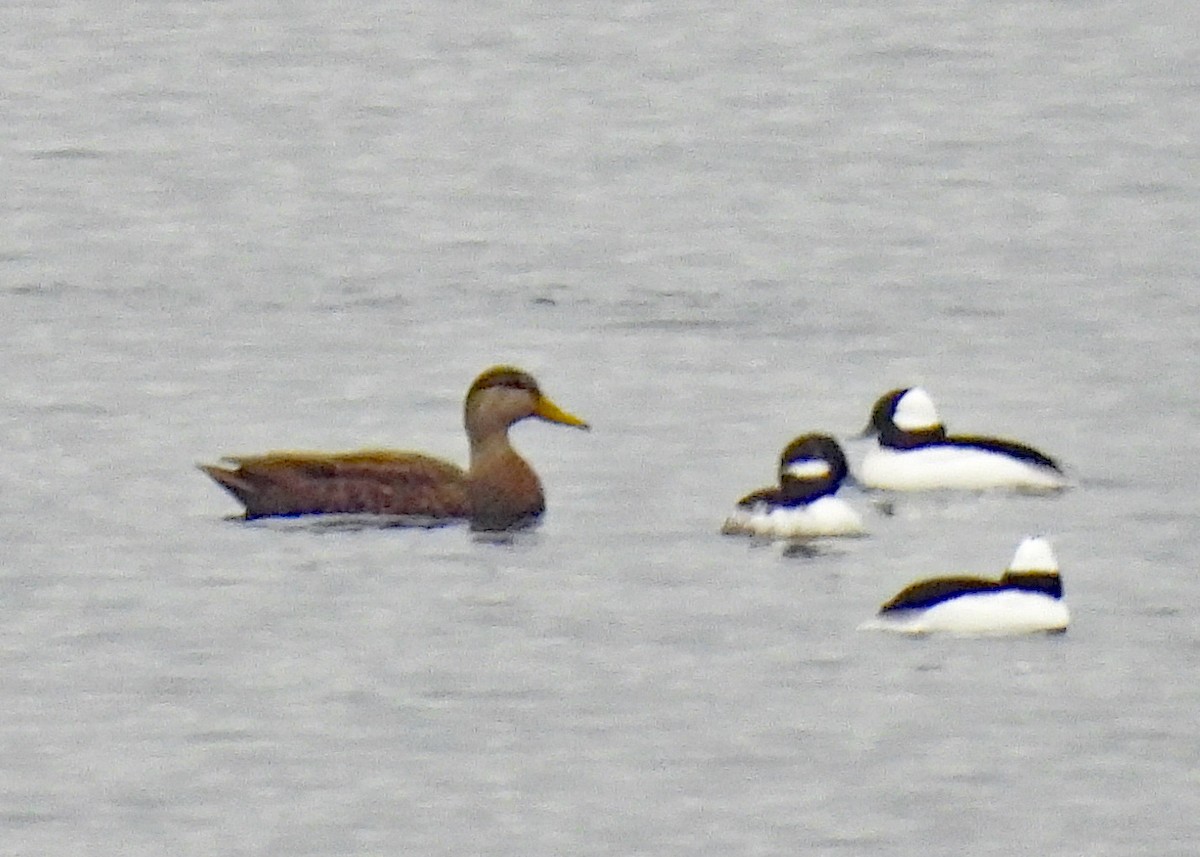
(810, 466)
(813, 456)
(1034, 568)
(904, 418)
(882, 412)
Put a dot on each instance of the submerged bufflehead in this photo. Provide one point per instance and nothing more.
(914, 453)
(803, 505)
(1027, 598)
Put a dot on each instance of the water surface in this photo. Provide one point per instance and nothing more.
(233, 227)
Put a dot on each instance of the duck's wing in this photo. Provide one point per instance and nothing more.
(1017, 450)
(374, 482)
(926, 593)
(769, 496)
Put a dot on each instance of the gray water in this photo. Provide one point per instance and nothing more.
(235, 226)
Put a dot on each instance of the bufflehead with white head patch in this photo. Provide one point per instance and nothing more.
(914, 453)
(1028, 598)
(803, 505)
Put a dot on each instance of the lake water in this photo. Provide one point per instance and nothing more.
(234, 226)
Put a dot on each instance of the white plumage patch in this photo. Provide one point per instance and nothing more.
(1034, 554)
(989, 613)
(808, 468)
(929, 468)
(825, 516)
(915, 411)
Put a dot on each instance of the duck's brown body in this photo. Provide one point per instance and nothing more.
(499, 490)
(382, 483)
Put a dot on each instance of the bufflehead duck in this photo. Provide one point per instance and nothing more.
(914, 453)
(803, 505)
(1028, 598)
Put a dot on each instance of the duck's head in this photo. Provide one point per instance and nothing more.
(504, 395)
(1034, 567)
(812, 465)
(1034, 554)
(907, 412)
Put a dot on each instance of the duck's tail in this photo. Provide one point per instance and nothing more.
(233, 482)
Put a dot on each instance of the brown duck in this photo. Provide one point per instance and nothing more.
(498, 491)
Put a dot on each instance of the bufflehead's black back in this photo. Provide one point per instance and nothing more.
(811, 469)
(915, 453)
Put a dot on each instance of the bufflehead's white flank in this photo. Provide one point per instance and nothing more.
(1028, 598)
(914, 453)
(803, 505)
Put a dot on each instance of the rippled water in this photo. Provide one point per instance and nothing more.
(232, 226)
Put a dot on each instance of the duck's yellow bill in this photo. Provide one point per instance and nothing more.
(547, 410)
